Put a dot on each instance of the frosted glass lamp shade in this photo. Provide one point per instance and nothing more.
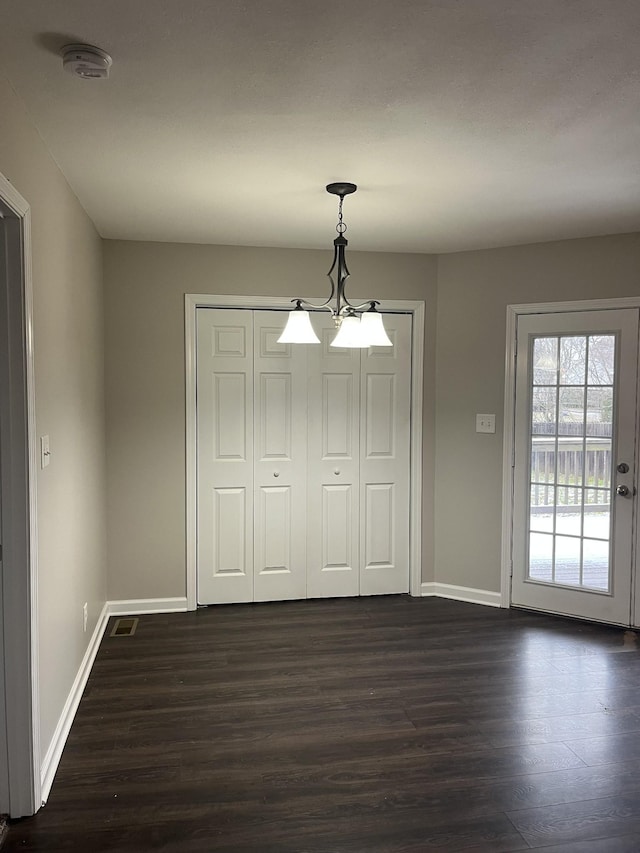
(349, 333)
(298, 329)
(373, 331)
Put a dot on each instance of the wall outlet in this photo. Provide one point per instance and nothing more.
(485, 423)
(85, 615)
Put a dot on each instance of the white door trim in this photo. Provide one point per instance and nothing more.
(508, 454)
(20, 717)
(193, 301)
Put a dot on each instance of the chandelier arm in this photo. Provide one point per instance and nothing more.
(366, 302)
(315, 305)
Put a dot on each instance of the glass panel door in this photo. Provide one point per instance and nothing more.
(575, 416)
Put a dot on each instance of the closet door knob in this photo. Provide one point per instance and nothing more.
(276, 473)
(337, 471)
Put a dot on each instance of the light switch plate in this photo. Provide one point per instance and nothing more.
(485, 423)
(45, 455)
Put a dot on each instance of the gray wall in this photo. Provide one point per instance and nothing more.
(474, 289)
(145, 285)
(69, 378)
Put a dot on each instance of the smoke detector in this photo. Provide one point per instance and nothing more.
(86, 61)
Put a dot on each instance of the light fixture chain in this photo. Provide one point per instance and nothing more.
(341, 227)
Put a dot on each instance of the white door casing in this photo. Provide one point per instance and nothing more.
(20, 790)
(193, 302)
(569, 545)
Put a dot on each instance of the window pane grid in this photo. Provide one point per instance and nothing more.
(570, 460)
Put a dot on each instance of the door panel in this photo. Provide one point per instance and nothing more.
(384, 461)
(280, 463)
(274, 530)
(229, 531)
(576, 382)
(276, 416)
(380, 525)
(338, 395)
(337, 528)
(333, 454)
(380, 421)
(225, 456)
(229, 422)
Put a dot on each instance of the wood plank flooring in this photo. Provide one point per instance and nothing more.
(379, 725)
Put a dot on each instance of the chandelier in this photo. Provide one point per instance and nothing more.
(356, 327)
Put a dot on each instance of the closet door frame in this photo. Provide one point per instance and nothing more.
(193, 301)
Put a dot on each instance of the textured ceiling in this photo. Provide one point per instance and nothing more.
(466, 123)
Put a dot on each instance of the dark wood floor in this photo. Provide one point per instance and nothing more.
(352, 726)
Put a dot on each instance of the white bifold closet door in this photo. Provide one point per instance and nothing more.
(280, 463)
(303, 461)
(358, 470)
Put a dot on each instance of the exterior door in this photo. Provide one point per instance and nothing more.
(574, 466)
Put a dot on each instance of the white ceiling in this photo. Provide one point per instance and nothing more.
(465, 123)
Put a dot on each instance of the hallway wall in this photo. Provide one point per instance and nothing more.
(69, 379)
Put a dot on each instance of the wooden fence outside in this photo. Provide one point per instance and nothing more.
(582, 462)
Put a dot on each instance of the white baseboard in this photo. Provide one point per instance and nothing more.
(141, 606)
(131, 607)
(54, 752)
(462, 593)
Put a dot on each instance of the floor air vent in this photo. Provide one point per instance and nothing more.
(125, 627)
